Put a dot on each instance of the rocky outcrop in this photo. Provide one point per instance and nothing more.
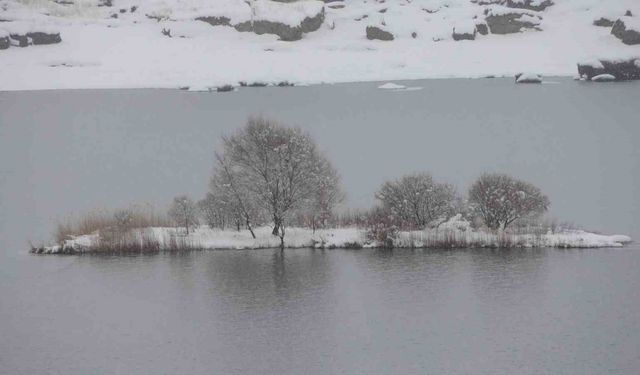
(482, 28)
(376, 33)
(624, 33)
(536, 5)
(35, 38)
(511, 22)
(464, 34)
(4, 42)
(259, 26)
(215, 21)
(39, 38)
(603, 22)
(622, 70)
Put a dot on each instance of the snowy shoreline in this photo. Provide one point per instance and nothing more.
(117, 47)
(455, 234)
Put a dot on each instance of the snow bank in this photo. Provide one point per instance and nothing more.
(528, 78)
(603, 78)
(291, 14)
(391, 86)
(130, 51)
(455, 233)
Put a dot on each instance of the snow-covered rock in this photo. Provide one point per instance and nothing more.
(528, 78)
(4, 39)
(377, 33)
(604, 78)
(603, 22)
(537, 5)
(510, 21)
(622, 69)
(627, 29)
(288, 20)
(464, 31)
(391, 86)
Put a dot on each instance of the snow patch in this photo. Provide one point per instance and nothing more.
(391, 86)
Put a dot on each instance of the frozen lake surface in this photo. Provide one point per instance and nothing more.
(317, 312)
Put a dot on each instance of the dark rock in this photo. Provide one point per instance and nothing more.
(123, 10)
(215, 21)
(4, 42)
(225, 88)
(509, 23)
(285, 84)
(105, 3)
(463, 36)
(623, 70)
(628, 13)
(284, 31)
(414, 35)
(134, 8)
(627, 36)
(311, 24)
(39, 38)
(603, 22)
(20, 40)
(376, 33)
(529, 5)
(482, 29)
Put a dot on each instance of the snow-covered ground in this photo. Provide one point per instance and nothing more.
(454, 233)
(123, 45)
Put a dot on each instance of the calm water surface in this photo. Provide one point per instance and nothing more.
(310, 311)
(324, 312)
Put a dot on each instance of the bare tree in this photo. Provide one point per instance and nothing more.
(183, 212)
(417, 200)
(500, 200)
(233, 191)
(280, 168)
(328, 194)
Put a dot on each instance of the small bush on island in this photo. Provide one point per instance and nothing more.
(500, 200)
(416, 200)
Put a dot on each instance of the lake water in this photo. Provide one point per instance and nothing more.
(324, 312)
(319, 312)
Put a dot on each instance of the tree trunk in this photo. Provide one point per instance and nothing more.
(276, 226)
(250, 229)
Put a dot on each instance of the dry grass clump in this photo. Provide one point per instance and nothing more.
(110, 223)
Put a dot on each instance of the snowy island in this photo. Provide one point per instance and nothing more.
(454, 234)
(55, 44)
(273, 187)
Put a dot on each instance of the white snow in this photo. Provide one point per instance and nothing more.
(529, 78)
(456, 232)
(291, 14)
(603, 78)
(391, 86)
(131, 51)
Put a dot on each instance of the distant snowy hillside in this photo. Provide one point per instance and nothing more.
(47, 44)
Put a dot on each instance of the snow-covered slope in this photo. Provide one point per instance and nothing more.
(160, 43)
